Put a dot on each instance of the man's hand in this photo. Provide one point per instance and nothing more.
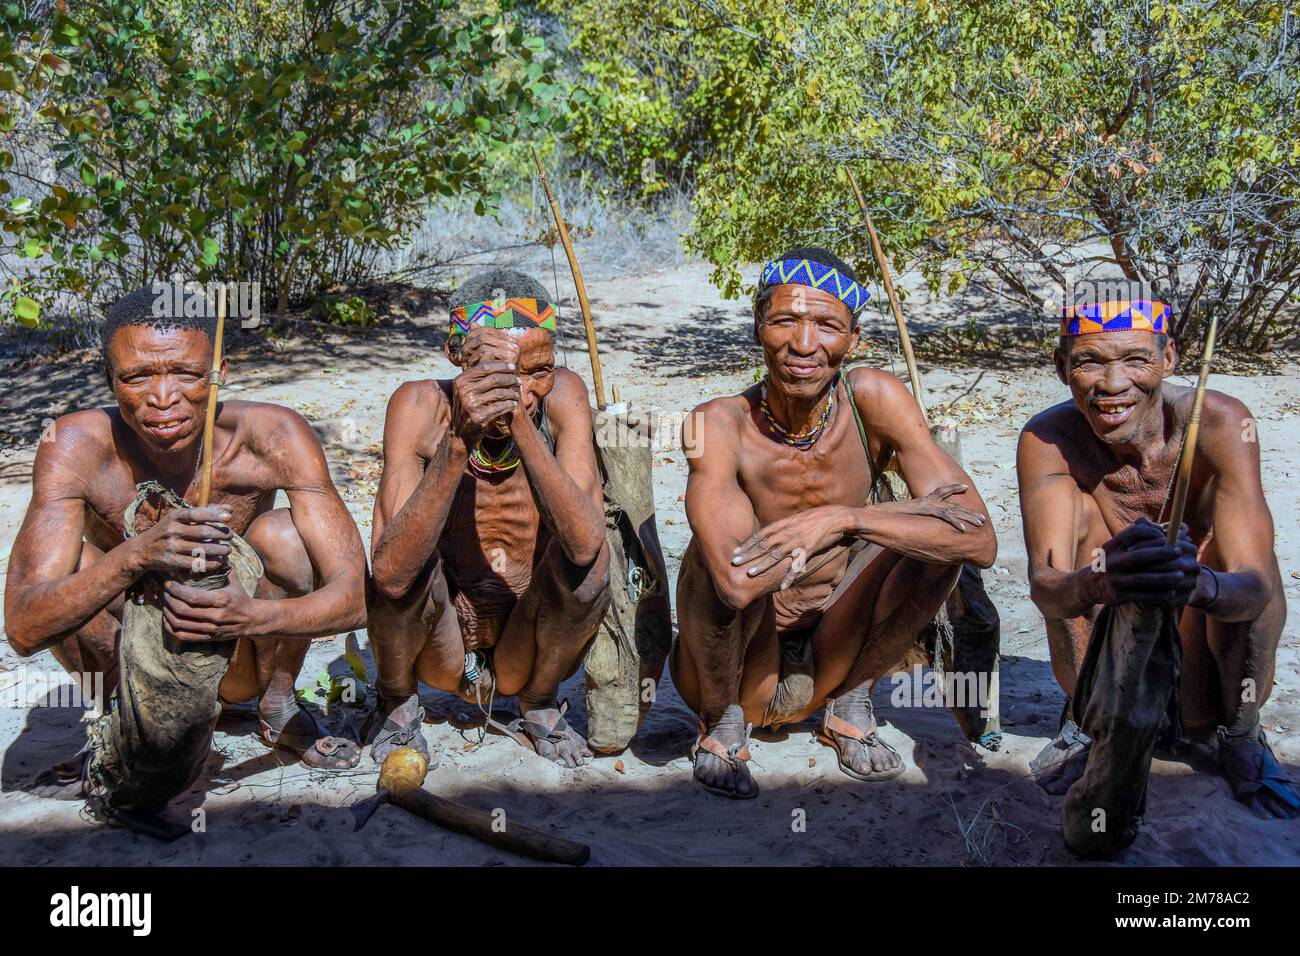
(937, 505)
(1140, 568)
(489, 345)
(481, 395)
(189, 540)
(794, 538)
(193, 614)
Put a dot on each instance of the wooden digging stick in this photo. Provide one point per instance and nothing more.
(214, 383)
(1184, 477)
(401, 779)
(597, 378)
(894, 305)
(481, 825)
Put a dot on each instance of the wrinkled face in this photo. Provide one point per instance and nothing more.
(160, 380)
(1115, 380)
(806, 334)
(532, 351)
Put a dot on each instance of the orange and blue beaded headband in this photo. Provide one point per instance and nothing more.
(1121, 315)
(503, 314)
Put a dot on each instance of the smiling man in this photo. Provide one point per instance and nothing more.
(490, 566)
(75, 562)
(801, 585)
(1095, 478)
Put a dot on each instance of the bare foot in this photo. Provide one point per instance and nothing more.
(296, 731)
(726, 775)
(849, 725)
(395, 723)
(551, 736)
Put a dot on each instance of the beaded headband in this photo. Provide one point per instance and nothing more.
(816, 275)
(504, 314)
(1122, 315)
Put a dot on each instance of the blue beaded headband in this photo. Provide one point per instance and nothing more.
(816, 275)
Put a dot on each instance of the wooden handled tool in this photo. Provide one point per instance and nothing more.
(894, 305)
(400, 783)
(1184, 475)
(214, 383)
(598, 380)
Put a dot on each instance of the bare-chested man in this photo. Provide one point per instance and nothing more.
(1095, 477)
(800, 588)
(73, 567)
(490, 567)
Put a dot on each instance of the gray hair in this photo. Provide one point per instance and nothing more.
(496, 283)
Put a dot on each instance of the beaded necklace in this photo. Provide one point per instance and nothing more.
(804, 439)
(488, 464)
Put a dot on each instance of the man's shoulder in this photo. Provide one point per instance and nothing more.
(711, 432)
(269, 428)
(1052, 443)
(82, 437)
(1060, 421)
(873, 383)
(569, 390)
(261, 415)
(1221, 411)
(725, 408)
(418, 397)
(87, 424)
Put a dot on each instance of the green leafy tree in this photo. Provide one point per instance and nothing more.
(1026, 144)
(285, 143)
(663, 86)
(33, 46)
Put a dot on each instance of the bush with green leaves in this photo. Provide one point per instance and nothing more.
(664, 87)
(286, 143)
(1024, 143)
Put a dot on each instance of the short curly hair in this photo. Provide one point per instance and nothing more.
(162, 306)
(498, 283)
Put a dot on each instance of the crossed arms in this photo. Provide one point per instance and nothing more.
(944, 523)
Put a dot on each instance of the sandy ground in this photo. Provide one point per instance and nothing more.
(669, 342)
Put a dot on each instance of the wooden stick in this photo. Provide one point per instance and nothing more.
(214, 383)
(1184, 477)
(484, 826)
(597, 378)
(894, 304)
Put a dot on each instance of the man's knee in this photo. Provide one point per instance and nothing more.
(587, 586)
(284, 555)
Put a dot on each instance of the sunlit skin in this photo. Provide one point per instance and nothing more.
(515, 563)
(754, 503)
(71, 563)
(1095, 473)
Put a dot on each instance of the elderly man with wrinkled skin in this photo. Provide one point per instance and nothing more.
(1095, 475)
(801, 586)
(72, 565)
(491, 571)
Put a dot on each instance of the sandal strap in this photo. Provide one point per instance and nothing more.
(733, 756)
(539, 731)
(402, 733)
(839, 725)
(842, 727)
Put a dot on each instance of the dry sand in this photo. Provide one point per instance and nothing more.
(669, 341)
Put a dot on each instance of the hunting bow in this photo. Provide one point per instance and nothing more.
(894, 305)
(210, 420)
(598, 380)
(1188, 453)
